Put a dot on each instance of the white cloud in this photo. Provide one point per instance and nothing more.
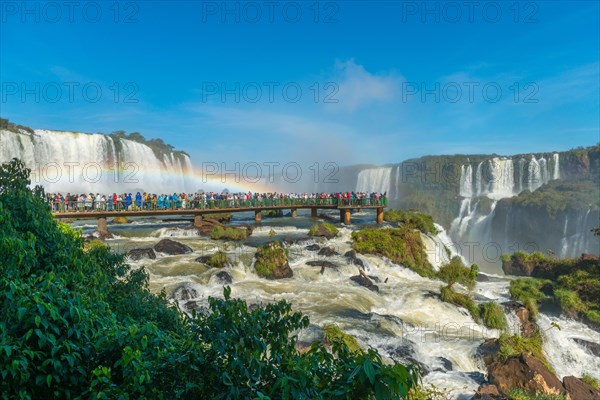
(358, 87)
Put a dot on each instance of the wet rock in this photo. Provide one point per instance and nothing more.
(528, 326)
(365, 281)
(482, 278)
(352, 256)
(594, 348)
(328, 252)
(323, 230)
(487, 392)
(224, 277)
(172, 247)
(579, 390)
(488, 351)
(319, 263)
(271, 261)
(137, 254)
(446, 364)
(524, 372)
(477, 377)
(191, 305)
(313, 247)
(184, 292)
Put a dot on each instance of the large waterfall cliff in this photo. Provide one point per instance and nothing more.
(76, 162)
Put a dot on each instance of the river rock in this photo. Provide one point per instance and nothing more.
(224, 277)
(271, 261)
(488, 351)
(320, 263)
(137, 254)
(351, 255)
(172, 247)
(524, 372)
(579, 390)
(528, 326)
(446, 364)
(322, 231)
(184, 292)
(594, 348)
(328, 252)
(313, 247)
(487, 392)
(365, 281)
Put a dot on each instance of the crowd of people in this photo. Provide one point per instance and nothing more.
(151, 201)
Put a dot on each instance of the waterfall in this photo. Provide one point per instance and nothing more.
(556, 171)
(374, 180)
(79, 162)
(466, 181)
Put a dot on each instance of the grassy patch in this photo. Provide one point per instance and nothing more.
(570, 302)
(428, 393)
(412, 219)
(270, 258)
(527, 291)
(460, 299)
(401, 245)
(590, 380)
(120, 220)
(512, 345)
(333, 333)
(217, 260)
(230, 233)
(593, 316)
(318, 229)
(520, 394)
(493, 315)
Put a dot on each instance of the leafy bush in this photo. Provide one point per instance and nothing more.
(527, 291)
(460, 299)
(493, 315)
(593, 316)
(456, 272)
(217, 260)
(229, 233)
(429, 393)
(82, 324)
(270, 258)
(333, 333)
(412, 220)
(401, 245)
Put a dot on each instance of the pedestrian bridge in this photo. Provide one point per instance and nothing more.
(100, 211)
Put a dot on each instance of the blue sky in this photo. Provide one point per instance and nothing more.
(349, 82)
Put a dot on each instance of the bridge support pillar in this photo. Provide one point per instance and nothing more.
(345, 216)
(294, 212)
(379, 215)
(102, 226)
(313, 212)
(197, 221)
(257, 215)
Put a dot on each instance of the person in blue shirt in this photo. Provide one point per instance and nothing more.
(161, 202)
(167, 201)
(128, 201)
(175, 200)
(138, 200)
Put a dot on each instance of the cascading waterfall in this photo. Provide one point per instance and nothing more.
(76, 162)
(374, 180)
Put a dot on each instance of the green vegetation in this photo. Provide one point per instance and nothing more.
(527, 291)
(493, 315)
(82, 324)
(5, 124)
(590, 380)
(593, 316)
(230, 233)
(401, 245)
(412, 219)
(511, 345)
(569, 302)
(429, 393)
(520, 394)
(462, 300)
(270, 258)
(217, 260)
(158, 146)
(222, 217)
(120, 220)
(333, 333)
(318, 229)
(456, 272)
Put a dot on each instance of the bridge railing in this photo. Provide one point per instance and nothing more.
(210, 204)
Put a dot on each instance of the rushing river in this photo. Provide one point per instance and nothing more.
(405, 320)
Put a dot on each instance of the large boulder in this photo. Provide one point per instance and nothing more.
(488, 351)
(594, 348)
(524, 372)
(321, 263)
(528, 325)
(172, 247)
(327, 252)
(271, 261)
(185, 292)
(487, 392)
(224, 277)
(352, 257)
(137, 254)
(579, 390)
